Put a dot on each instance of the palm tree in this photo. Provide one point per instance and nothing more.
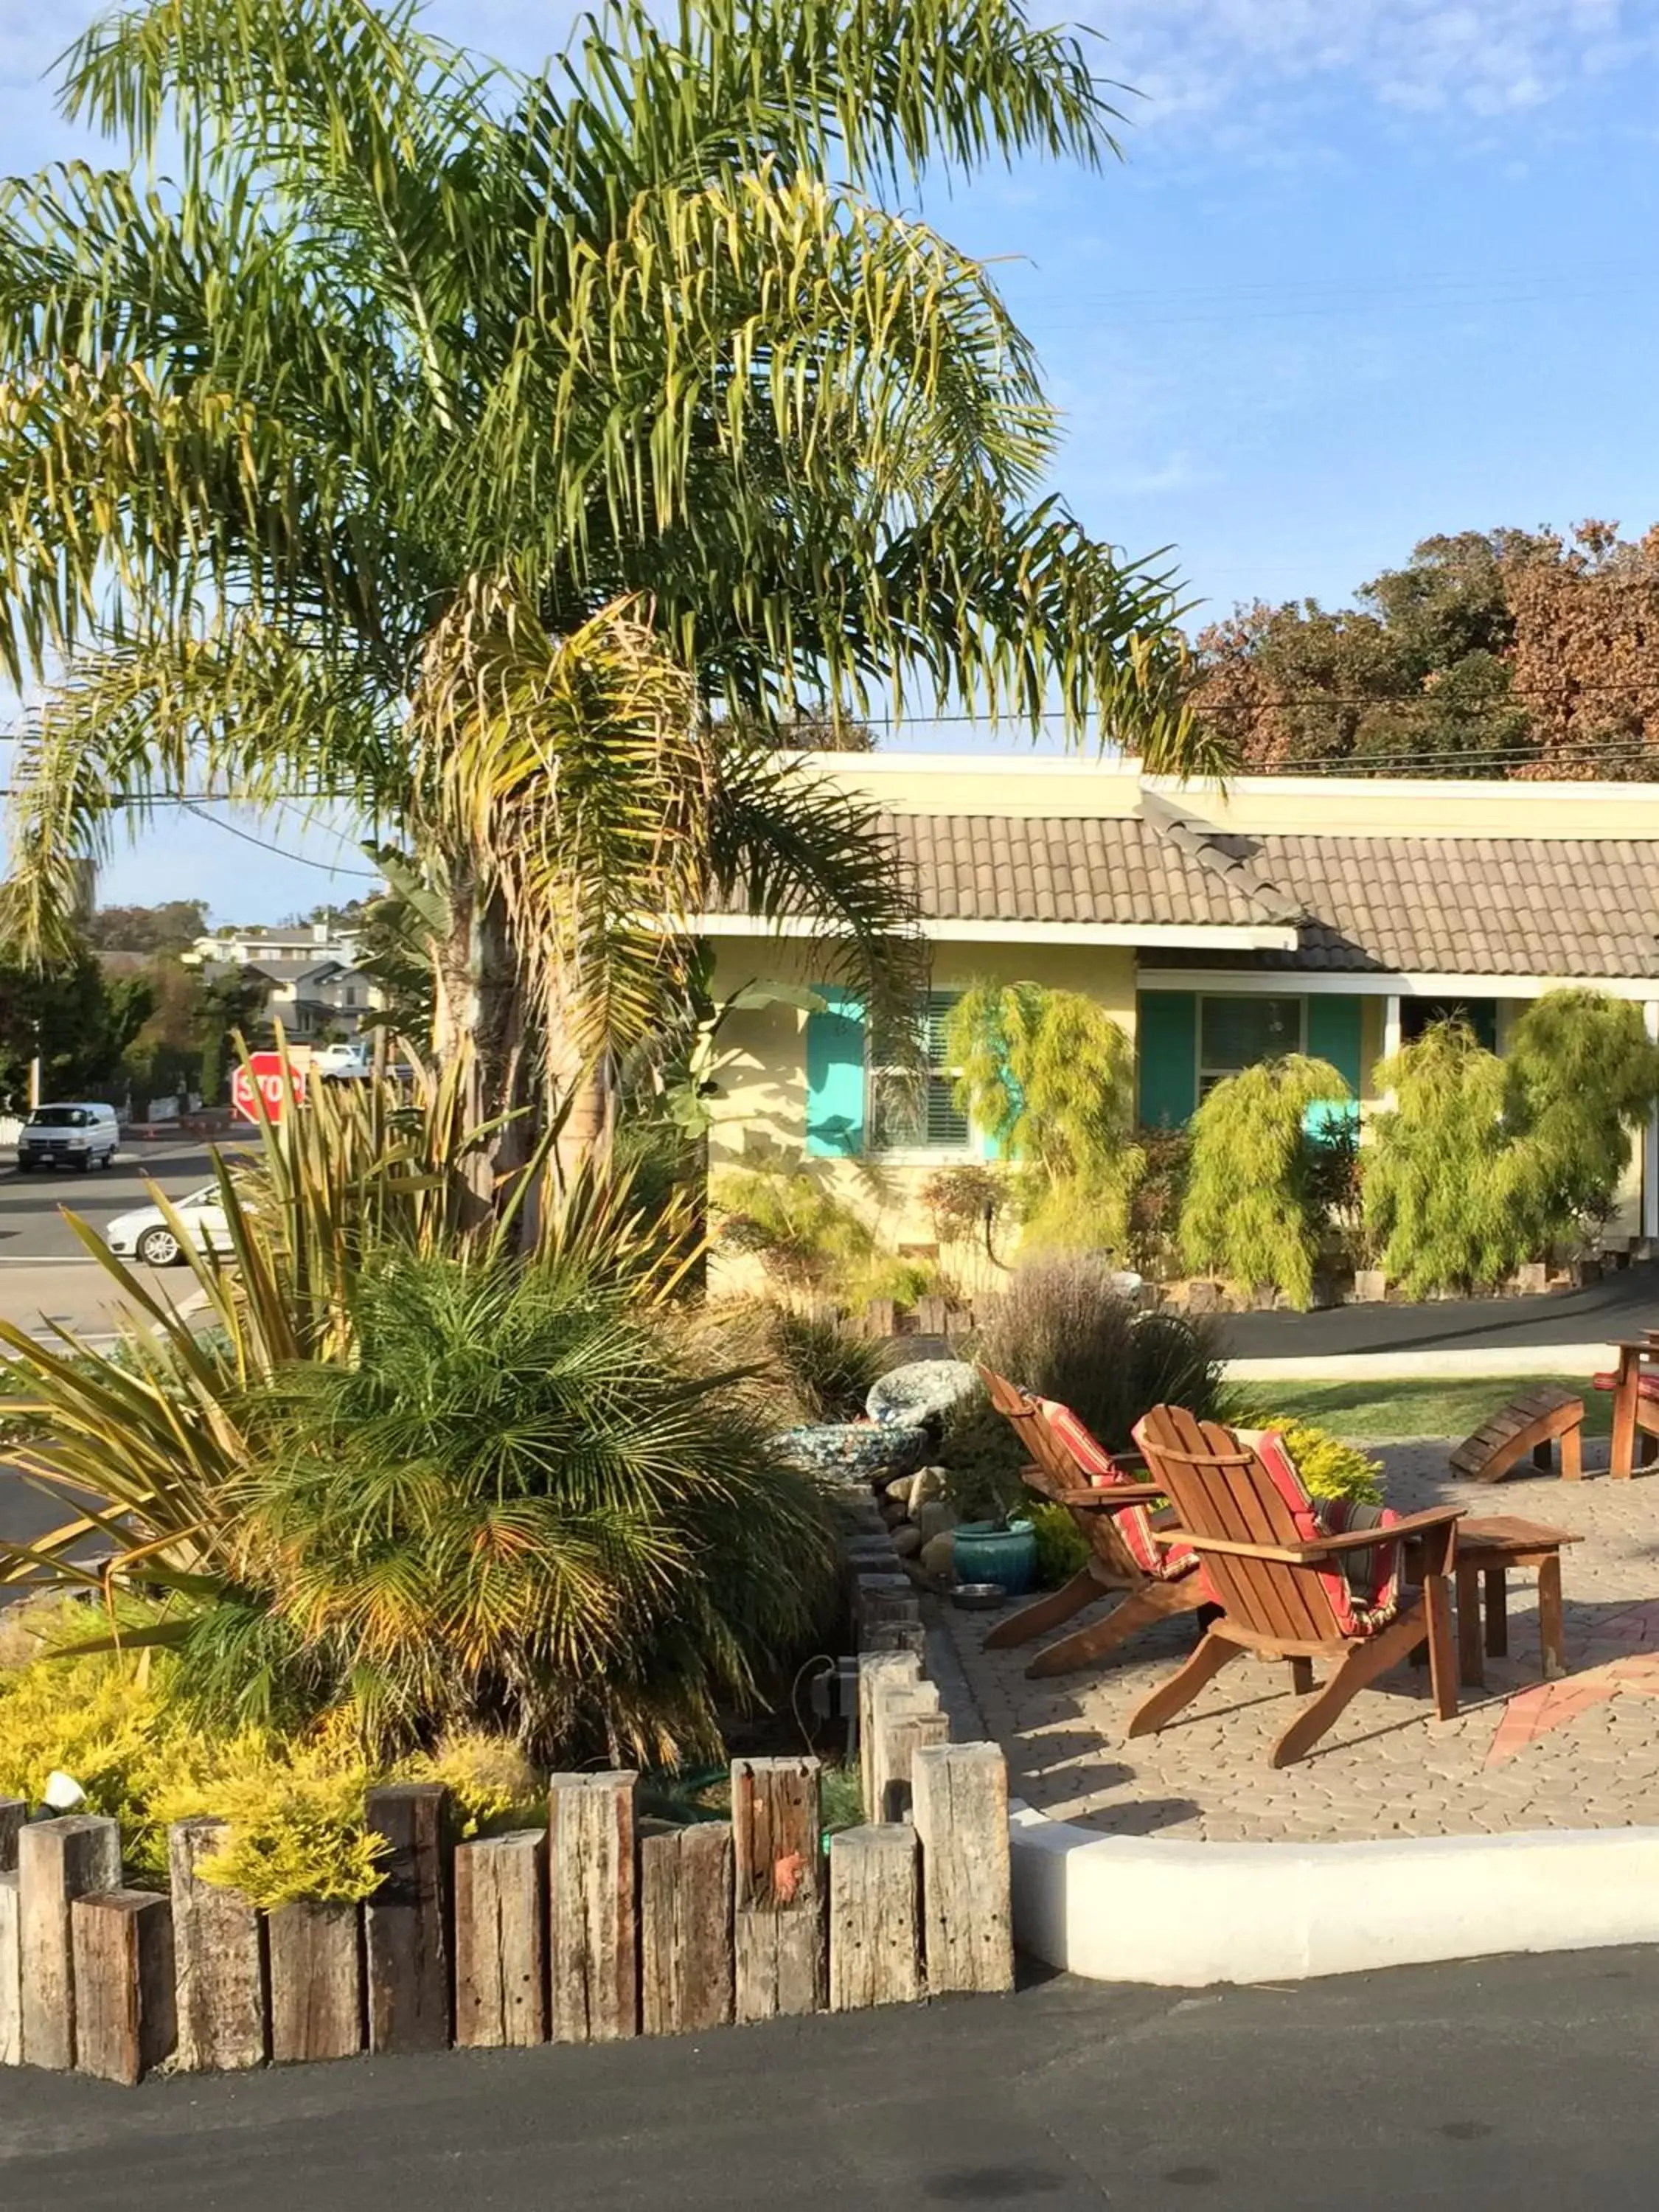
(504, 453)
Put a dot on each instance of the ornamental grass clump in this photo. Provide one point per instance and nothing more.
(1061, 1330)
(1254, 1209)
(1050, 1076)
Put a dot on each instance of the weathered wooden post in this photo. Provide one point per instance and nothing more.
(500, 1940)
(906, 1715)
(13, 1814)
(316, 1981)
(58, 1860)
(961, 1794)
(875, 1946)
(219, 1950)
(877, 1669)
(406, 1938)
(685, 1930)
(593, 1936)
(778, 1927)
(125, 2017)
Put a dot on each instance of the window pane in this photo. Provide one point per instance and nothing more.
(1237, 1033)
(947, 1125)
(912, 1112)
(898, 1111)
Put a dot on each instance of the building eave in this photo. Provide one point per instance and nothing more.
(1179, 936)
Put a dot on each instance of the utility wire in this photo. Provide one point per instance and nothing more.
(302, 859)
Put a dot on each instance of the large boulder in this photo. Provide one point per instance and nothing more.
(921, 1391)
(857, 1450)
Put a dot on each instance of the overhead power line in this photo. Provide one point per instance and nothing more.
(302, 859)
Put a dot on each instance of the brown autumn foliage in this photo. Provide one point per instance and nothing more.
(1503, 652)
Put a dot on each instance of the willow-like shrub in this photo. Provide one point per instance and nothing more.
(1482, 1164)
(1253, 1210)
(1051, 1076)
(1582, 1076)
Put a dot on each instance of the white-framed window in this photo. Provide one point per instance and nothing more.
(1235, 1033)
(908, 1112)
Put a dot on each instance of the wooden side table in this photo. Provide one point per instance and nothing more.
(1487, 1550)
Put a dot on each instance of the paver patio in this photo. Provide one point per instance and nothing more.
(1521, 1753)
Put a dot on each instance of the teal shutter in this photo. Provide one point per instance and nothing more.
(835, 1075)
(1167, 1042)
(1333, 1033)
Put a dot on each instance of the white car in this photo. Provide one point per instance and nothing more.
(145, 1234)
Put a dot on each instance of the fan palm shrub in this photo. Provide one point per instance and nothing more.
(521, 1505)
(1256, 1204)
(140, 1440)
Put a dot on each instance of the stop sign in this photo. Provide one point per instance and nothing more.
(264, 1074)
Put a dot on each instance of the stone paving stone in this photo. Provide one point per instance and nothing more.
(1388, 1766)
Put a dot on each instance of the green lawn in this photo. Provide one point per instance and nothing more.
(1386, 1413)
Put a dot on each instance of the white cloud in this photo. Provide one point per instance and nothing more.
(1248, 58)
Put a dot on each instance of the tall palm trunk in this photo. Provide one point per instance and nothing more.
(479, 1013)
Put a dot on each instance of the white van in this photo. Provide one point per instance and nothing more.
(68, 1136)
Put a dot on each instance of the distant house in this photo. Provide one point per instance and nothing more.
(326, 998)
(1334, 916)
(314, 987)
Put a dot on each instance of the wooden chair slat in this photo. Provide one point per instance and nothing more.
(1277, 1607)
(1113, 1566)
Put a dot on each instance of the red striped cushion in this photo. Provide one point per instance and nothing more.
(1364, 1588)
(1135, 1523)
(1647, 1384)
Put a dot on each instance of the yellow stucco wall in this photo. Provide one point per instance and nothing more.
(761, 1111)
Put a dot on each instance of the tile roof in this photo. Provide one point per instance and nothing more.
(1003, 867)
(1498, 906)
(1475, 906)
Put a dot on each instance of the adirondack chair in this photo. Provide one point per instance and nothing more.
(1292, 1584)
(1634, 1385)
(1069, 1467)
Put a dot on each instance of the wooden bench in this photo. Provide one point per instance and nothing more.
(1531, 1422)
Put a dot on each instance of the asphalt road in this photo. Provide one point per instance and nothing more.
(47, 1275)
(1523, 2083)
(43, 1269)
(1621, 1304)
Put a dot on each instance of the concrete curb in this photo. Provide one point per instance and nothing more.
(1185, 1916)
(1527, 1359)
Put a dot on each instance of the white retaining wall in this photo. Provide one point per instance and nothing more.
(1180, 1915)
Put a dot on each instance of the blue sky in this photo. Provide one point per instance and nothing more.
(1371, 270)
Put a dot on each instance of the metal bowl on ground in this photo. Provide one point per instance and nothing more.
(979, 1597)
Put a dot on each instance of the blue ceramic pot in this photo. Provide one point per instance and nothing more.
(984, 1552)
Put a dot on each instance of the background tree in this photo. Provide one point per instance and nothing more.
(453, 440)
(1501, 652)
(79, 1020)
(173, 926)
